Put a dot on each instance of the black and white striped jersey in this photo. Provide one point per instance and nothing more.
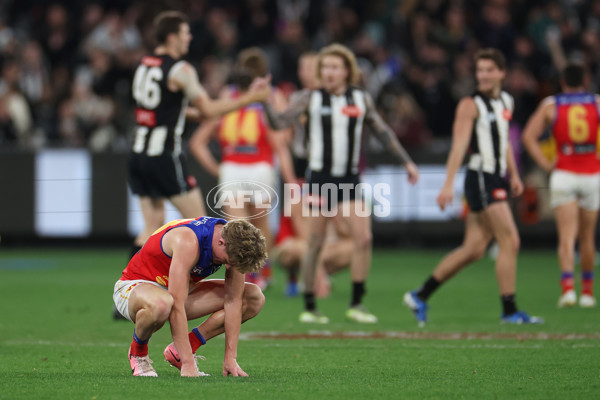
(334, 131)
(159, 113)
(489, 140)
(334, 128)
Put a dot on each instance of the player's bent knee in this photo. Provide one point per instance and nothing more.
(254, 299)
(316, 241)
(161, 308)
(364, 241)
(476, 253)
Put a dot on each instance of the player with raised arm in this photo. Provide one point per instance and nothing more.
(165, 280)
(481, 126)
(163, 85)
(575, 176)
(336, 114)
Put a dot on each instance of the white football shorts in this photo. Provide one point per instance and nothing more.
(122, 292)
(566, 187)
(248, 177)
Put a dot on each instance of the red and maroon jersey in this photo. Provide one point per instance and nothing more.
(576, 133)
(243, 135)
(151, 263)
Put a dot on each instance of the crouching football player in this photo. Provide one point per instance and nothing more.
(165, 281)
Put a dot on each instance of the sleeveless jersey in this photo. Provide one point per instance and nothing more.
(334, 131)
(489, 141)
(159, 113)
(575, 131)
(151, 263)
(243, 135)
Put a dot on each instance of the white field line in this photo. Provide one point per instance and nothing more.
(411, 339)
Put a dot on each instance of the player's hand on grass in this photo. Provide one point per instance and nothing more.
(231, 367)
(189, 369)
(445, 197)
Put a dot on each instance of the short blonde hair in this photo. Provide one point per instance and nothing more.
(245, 244)
(346, 55)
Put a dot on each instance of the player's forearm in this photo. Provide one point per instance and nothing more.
(453, 164)
(386, 135)
(203, 155)
(535, 152)
(216, 108)
(233, 322)
(391, 143)
(178, 322)
(286, 164)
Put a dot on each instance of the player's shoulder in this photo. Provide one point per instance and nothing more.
(468, 101)
(183, 66)
(362, 92)
(182, 236)
(548, 101)
(507, 97)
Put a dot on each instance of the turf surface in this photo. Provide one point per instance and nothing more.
(58, 340)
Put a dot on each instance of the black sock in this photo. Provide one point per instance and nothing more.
(508, 304)
(358, 291)
(309, 301)
(430, 286)
(134, 249)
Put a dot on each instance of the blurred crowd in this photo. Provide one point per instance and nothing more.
(66, 66)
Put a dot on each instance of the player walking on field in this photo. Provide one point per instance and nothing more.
(481, 126)
(335, 117)
(575, 177)
(165, 281)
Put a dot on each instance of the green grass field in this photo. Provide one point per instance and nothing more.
(58, 340)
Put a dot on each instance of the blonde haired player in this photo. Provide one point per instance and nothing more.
(165, 280)
(336, 114)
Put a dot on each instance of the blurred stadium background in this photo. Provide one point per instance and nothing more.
(65, 128)
(66, 110)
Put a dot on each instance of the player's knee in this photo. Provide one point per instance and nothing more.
(316, 240)
(254, 299)
(476, 252)
(364, 241)
(515, 242)
(161, 308)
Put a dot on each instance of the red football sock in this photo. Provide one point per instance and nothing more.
(587, 283)
(139, 350)
(196, 339)
(567, 282)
